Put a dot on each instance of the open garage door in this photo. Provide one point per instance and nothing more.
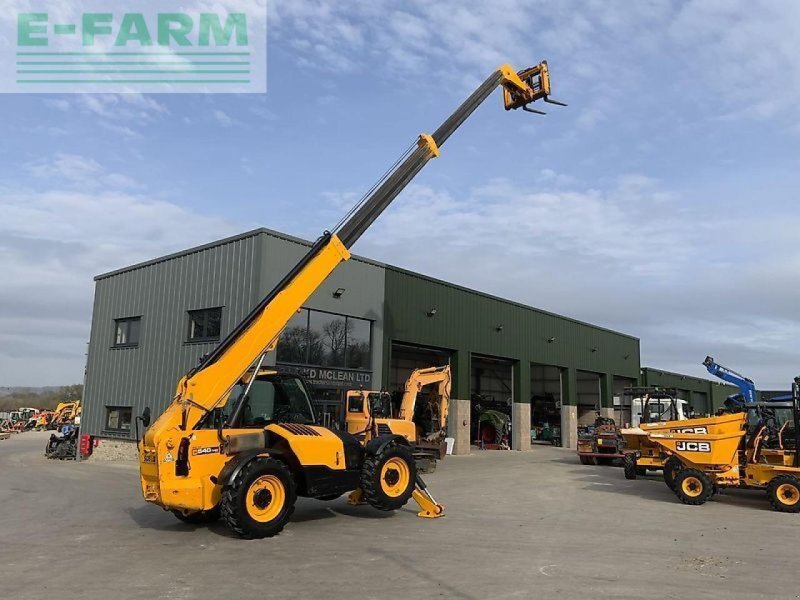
(405, 358)
(588, 388)
(545, 404)
(622, 403)
(492, 400)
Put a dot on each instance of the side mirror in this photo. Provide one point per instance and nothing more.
(145, 416)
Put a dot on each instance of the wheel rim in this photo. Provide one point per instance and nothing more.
(788, 494)
(692, 487)
(395, 476)
(266, 498)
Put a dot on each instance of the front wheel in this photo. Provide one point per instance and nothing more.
(260, 500)
(671, 468)
(629, 466)
(784, 493)
(388, 478)
(693, 487)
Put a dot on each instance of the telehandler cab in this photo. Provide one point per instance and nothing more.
(240, 440)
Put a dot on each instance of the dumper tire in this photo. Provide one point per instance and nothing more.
(388, 477)
(586, 460)
(198, 517)
(784, 493)
(693, 487)
(671, 468)
(629, 466)
(260, 500)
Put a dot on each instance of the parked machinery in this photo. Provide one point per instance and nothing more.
(240, 439)
(724, 453)
(653, 409)
(747, 389)
(601, 444)
(421, 417)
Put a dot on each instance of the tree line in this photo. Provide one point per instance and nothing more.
(43, 401)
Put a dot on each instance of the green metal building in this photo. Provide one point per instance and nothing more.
(371, 324)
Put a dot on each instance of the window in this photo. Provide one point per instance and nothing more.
(293, 345)
(205, 324)
(127, 331)
(325, 339)
(118, 418)
(271, 400)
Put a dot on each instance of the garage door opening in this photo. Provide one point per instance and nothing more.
(588, 388)
(545, 404)
(406, 358)
(622, 402)
(492, 397)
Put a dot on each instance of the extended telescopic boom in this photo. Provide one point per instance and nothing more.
(209, 384)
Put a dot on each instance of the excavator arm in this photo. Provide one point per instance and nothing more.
(746, 386)
(208, 385)
(419, 378)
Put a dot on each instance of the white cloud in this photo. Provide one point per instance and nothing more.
(631, 257)
(53, 243)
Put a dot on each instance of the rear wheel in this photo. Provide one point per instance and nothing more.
(260, 500)
(693, 487)
(784, 493)
(629, 466)
(671, 469)
(586, 460)
(388, 478)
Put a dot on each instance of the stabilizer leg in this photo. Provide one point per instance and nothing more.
(430, 508)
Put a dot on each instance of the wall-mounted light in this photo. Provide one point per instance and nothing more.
(626, 357)
(432, 312)
(499, 327)
(339, 292)
(550, 340)
(594, 348)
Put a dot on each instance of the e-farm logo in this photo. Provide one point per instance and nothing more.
(160, 46)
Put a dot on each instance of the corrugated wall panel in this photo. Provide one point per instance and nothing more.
(161, 293)
(468, 321)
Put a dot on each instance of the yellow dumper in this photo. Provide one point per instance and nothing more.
(731, 454)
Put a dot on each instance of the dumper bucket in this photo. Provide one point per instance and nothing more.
(705, 451)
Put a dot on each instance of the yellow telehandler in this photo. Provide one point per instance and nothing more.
(240, 440)
(421, 418)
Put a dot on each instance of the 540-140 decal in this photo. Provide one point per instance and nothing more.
(206, 450)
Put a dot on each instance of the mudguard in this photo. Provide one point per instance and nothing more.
(237, 463)
(375, 445)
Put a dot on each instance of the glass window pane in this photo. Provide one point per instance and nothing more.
(133, 331)
(326, 339)
(293, 344)
(358, 343)
(121, 329)
(214, 322)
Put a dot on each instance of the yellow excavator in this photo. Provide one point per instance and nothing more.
(240, 440)
(421, 418)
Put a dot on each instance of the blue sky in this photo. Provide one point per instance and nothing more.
(662, 202)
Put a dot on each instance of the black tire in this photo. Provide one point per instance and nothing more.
(200, 517)
(784, 493)
(388, 478)
(693, 487)
(629, 465)
(586, 460)
(604, 460)
(671, 468)
(247, 503)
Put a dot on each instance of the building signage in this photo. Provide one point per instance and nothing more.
(328, 377)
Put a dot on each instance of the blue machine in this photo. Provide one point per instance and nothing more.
(747, 389)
